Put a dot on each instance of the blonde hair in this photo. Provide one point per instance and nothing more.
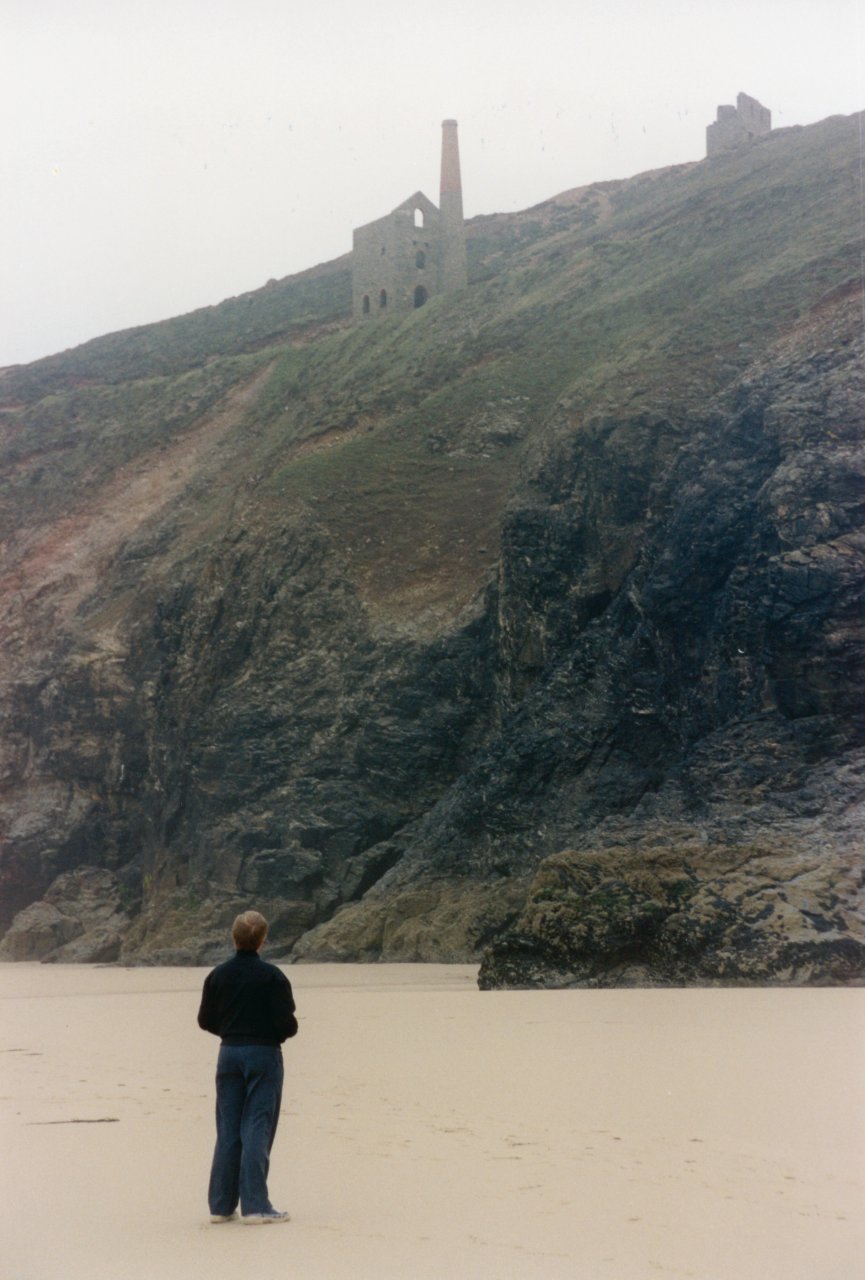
(249, 931)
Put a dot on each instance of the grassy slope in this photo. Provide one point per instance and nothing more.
(70, 421)
(651, 307)
(405, 438)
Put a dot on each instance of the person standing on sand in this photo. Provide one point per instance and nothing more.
(248, 1003)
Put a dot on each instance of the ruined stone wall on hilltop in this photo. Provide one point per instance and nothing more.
(738, 126)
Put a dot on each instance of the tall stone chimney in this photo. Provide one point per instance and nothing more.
(454, 273)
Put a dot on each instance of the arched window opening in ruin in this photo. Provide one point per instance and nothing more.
(418, 217)
(420, 296)
(382, 298)
(420, 258)
(366, 304)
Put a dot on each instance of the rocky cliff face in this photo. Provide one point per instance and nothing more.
(686, 740)
(526, 628)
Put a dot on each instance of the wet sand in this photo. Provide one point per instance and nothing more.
(430, 1130)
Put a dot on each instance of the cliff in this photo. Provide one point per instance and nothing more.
(526, 627)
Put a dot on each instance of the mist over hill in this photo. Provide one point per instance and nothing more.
(525, 628)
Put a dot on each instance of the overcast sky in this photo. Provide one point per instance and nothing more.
(161, 155)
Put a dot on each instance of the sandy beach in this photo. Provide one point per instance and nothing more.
(430, 1130)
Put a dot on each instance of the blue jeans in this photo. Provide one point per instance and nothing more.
(248, 1096)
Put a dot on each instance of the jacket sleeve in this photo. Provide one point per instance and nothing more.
(207, 1010)
(284, 1021)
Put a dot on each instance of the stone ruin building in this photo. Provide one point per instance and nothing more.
(737, 126)
(415, 251)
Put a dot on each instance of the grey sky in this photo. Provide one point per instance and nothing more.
(161, 155)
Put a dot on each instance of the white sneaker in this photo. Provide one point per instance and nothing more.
(257, 1219)
(223, 1217)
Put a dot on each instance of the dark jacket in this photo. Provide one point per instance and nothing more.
(247, 1001)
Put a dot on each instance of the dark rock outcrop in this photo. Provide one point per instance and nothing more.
(733, 897)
